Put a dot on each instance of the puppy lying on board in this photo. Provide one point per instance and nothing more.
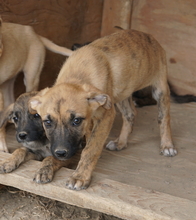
(30, 133)
(21, 49)
(91, 81)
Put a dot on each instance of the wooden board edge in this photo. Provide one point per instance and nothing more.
(103, 195)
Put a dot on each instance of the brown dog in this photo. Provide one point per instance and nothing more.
(92, 80)
(30, 133)
(21, 49)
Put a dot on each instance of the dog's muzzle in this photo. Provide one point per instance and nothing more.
(63, 153)
(63, 149)
(59, 153)
(22, 136)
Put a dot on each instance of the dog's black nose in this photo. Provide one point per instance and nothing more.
(22, 135)
(61, 153)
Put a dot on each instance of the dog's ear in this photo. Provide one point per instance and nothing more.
(33, 104)
(96, 98)
(6, 115)
(35, 101)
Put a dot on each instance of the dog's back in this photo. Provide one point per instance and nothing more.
(18, 42)
(121, 58)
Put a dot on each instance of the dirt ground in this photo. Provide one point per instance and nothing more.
(20, 205)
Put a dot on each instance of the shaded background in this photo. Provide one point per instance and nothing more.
(65, 22)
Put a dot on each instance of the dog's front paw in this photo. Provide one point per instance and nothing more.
(168, 151)
(44, 175)
(112, 145)
(115, 145)
(75, 183)
(7, 166)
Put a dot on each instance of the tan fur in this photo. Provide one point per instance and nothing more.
(91, 81)
(35, 146)
(17, 157)
(21, 49)
(48, 168)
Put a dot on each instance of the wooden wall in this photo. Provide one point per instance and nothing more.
(173, 24)
(116, 13)
(63, 21)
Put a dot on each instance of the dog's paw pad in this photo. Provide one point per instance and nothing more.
(41, 179)
(43, 175)
(112, 145)
(115, 145)
(77, 184)
(7, 167)
(169, 152)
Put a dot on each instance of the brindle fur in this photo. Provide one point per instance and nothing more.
(92, 80)
(30, 133)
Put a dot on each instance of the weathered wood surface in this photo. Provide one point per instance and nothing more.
(173, 24)
(116, 13)
(136, 183)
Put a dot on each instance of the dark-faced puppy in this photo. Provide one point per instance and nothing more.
(30, 133)
(94, 79)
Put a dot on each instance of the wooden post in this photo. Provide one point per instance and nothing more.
(116, 13)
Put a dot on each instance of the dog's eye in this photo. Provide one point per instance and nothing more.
(77, 121)
(36, 115)
(47, 123)
(15, 119)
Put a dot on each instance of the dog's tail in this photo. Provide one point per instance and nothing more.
(180, 98)
(55, 48)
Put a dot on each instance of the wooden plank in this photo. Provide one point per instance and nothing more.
(140, 163)
(104, 195)
(116, 13)
(173, 24)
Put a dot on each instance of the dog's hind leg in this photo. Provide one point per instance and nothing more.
(6, 98)
(33, 68)
(7, 89)
(162, 96)
(3, 146)
(127, 108)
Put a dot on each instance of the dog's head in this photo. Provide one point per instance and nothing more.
(29, 130)
(67, 111)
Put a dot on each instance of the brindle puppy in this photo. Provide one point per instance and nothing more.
(92, 80)
(30, 133)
